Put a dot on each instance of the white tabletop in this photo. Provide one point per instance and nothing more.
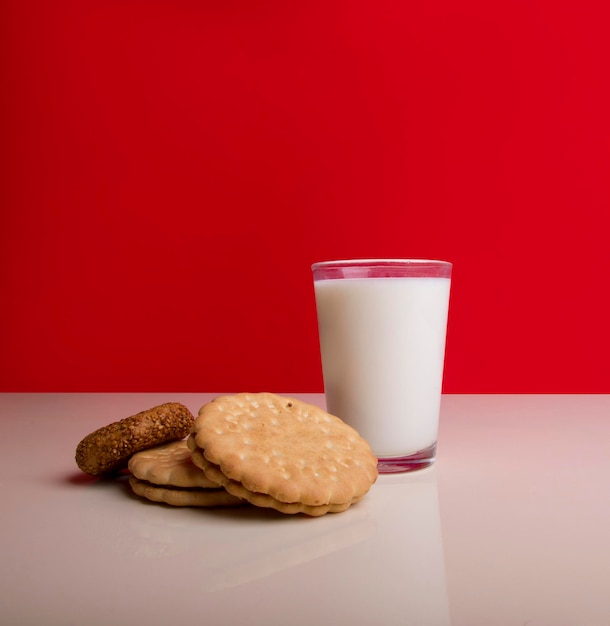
(510, 527)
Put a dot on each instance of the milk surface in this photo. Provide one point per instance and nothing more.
(383, 345)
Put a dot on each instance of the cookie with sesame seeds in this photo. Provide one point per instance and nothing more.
(109, 448)
(167, 474)
(282, 453)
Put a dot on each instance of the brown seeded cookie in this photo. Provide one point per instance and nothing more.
(109, 448)
(167, 474)
(282, 453)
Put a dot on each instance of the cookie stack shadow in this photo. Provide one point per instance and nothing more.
(256, 449)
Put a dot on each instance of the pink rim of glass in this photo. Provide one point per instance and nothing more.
(381, 268)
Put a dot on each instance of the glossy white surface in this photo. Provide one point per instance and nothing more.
(511, 526)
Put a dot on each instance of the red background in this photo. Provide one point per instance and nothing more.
(171, 169)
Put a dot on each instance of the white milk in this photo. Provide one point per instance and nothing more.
(383, 346)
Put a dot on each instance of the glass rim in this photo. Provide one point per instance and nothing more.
(380, 263)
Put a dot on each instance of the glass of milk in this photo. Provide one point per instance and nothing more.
(382, 326)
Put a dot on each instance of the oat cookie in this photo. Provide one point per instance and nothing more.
(108, 449)
(167, 474)
(282, 453)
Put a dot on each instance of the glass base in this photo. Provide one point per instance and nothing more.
(416, 461)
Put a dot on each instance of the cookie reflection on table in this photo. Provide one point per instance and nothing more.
(263, 550)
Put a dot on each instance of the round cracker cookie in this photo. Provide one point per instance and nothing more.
(184, 497)
(169, 464)
(294, 452)
(109, 448)
(261, 499)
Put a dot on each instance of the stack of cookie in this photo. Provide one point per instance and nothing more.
(263, 449)
(167, 474)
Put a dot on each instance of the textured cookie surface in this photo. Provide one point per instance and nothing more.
(184, 497)
(262, 499)
(108, 449)
(293, 452)
(169, 464)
